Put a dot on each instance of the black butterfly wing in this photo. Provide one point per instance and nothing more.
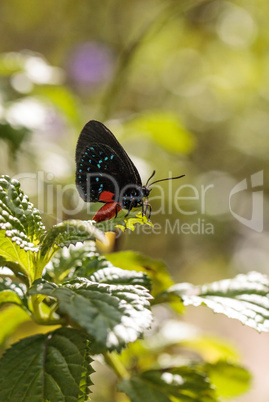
(96, 171)
(102, 163)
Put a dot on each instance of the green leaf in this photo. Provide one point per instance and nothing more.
(50, 367)
(20, 228)
(18, 214)
(140, 219)
(175, 340)
(229, 379)
(211, 348)
(90, 264)
(68, 232)
(14, 137)
(76, 260)
(10, 319)
(114, 275)
(245, 298)
(164, 128)
(139, 390)
(176, 384)
(12, 292)
(84, 261)
(14, 256)
(15, 267)
(113, 315)
(122, 222)
(155, 269)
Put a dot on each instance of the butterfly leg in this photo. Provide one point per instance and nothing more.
(149, 211)
(130, 208)
(117, 209)
(148, 207)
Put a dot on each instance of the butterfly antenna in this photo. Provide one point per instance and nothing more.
(154, 171)
(168, 178)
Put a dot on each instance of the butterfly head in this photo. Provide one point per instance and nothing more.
(133, 196)
(146, 191)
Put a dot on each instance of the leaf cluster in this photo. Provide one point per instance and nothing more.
(103, 306)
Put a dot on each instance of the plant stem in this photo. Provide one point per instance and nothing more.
(113, 361)
(36, 308)
(40, 317)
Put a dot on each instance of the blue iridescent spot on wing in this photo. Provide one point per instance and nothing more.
(97, 179)
(111, 157)
(92, 148)
(106, 158)
(99, 166)
(100, 161)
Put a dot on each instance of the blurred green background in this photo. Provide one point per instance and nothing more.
(184, 85)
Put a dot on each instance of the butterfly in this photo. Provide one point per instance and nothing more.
(106, 174)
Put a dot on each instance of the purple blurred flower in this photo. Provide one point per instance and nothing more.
(91, 63)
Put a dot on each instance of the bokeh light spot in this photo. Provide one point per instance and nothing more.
(236, 27)
(91, 63)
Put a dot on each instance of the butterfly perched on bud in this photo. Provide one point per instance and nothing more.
(106, 174)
